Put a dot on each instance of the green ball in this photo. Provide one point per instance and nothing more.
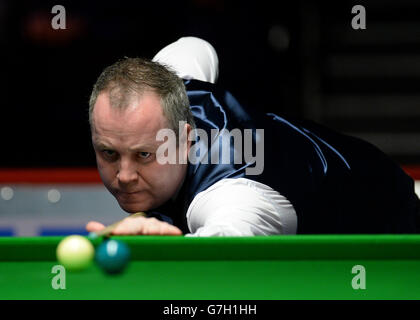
(75, 253)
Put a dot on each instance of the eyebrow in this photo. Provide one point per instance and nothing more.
(102, 145)
(142, 147)
(135, 148)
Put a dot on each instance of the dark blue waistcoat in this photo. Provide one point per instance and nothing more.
(336, 183)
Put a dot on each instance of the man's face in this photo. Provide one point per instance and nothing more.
(125, 146)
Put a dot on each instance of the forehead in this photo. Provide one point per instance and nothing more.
(141, 118)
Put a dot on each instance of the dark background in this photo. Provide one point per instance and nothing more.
(300, 59)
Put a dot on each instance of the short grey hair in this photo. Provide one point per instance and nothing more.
(133, 76)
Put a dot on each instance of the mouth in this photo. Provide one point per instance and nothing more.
(128, 197)
(128, 192)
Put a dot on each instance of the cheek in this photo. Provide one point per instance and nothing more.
(106, 171)
(165, 177)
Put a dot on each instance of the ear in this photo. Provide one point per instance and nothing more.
(188, 129)
(184, 143)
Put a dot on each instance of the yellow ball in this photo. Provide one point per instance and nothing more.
(75, 253)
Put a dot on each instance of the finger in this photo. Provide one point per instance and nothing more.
(145, 226)
(94, 226)
(168, 229)
(130, 226)
(172, 230)
(152, 228)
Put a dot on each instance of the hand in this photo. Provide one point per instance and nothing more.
(138, 226)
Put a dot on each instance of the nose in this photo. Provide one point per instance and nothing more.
(127, 173)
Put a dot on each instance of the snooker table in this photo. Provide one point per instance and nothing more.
(297, 267)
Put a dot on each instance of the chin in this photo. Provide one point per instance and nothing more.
(132, 207)
(135, 206)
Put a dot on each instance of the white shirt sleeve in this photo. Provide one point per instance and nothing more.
(240, 207)
(191, 58)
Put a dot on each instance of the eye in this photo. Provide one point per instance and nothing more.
(108, 153)
(144, 155)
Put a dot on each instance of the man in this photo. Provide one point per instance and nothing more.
(303, 178)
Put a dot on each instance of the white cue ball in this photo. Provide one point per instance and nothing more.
(75, 253)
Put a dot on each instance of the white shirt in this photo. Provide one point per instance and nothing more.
(240, 207)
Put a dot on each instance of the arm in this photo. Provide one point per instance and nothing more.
(231, 207)
(240, 207)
